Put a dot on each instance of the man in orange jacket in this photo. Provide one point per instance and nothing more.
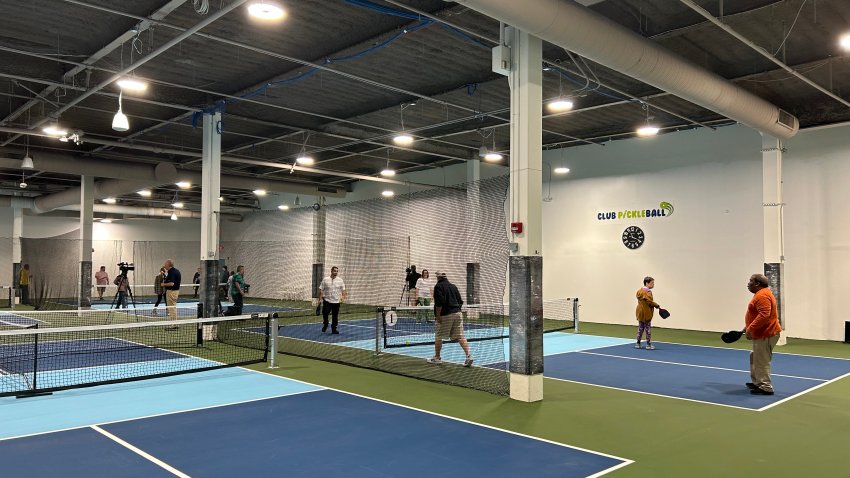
(763, 328)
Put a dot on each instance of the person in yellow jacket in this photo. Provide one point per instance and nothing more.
(645, 310)
(24, 283)
(763, 328)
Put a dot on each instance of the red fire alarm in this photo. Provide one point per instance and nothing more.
(516, 227)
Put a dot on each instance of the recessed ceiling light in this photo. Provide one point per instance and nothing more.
(403, 139)
(844, 41)
(178, 205)
(304, 159)
(110, 200)
(55, 131)
(388, 194)
(283, 207)
(184, 184)
(145, 193)
(260, 192)
(264, 10)
(646, 131)
(493, 156)
(106, 221)
(562, 170)
(560, 105)
(132, 84)
(388, 172)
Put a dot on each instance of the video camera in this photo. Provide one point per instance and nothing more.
(126, 266)
(246, 287)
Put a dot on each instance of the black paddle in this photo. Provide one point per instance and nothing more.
(732, 336)
(664, 313)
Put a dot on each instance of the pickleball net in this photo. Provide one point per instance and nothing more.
(37, 360)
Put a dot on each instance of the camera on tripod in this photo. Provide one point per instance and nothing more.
(124, 267)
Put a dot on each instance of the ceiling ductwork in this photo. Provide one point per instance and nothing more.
(154, 172)
(29, 203)
(576, 28)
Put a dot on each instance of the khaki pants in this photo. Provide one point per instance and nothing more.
(760, 359)
(171, 302)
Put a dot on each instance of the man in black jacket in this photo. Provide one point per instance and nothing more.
(447, 304)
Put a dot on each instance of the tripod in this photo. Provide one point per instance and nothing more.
(404, 289)
(121, 279)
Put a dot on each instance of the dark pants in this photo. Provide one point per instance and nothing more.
(159, 299)
(122, 300)
(238, 301)
(196, 290)
(25, 294)
(328, 308)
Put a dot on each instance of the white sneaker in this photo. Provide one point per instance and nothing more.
(467, 362)
(434, 360)
(638, 346)
(649, 347)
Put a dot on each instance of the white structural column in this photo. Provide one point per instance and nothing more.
(210, 217)
(86, 219)
(526, 261)
(772, 206)
(17, 232)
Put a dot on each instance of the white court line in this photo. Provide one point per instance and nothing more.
(747, 350)
(652, 394)
(698, 366)
(804, 392)
(141, 452)
(123, 420)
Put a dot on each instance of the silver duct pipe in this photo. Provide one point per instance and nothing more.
(29, 203)
(569, 25)
(103, 168)
(149, 211)
(102, 189)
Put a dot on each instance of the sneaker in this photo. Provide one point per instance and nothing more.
(434, 360)
(751, 385)
(325, 328)
(649, 347)
(467, 362)
(761, 391)
(638, 346)
(335, 331)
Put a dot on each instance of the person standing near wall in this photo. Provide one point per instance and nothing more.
(196, 279)
(24, 283)
(645, 310)
(172, 288)
(762, 328)
(237, 289)
(123, 284)
(331, 293)
(159, 290)
(424, 292)
(101, 278)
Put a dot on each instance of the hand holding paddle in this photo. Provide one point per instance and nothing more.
(732, 336)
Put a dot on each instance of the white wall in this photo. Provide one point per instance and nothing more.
(702, 255)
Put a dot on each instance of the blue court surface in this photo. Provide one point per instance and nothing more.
(236, 422)
(713, 375)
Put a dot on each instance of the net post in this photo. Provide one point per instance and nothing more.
(575, 314)
(272, 340)
(35, 361)
(379, 315)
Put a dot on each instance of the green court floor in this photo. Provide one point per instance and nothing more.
(806, 436)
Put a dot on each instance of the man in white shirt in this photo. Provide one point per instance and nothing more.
(331, 293)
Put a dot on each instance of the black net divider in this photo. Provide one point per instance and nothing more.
(411, 326)
(35, 360)
(52, 319)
